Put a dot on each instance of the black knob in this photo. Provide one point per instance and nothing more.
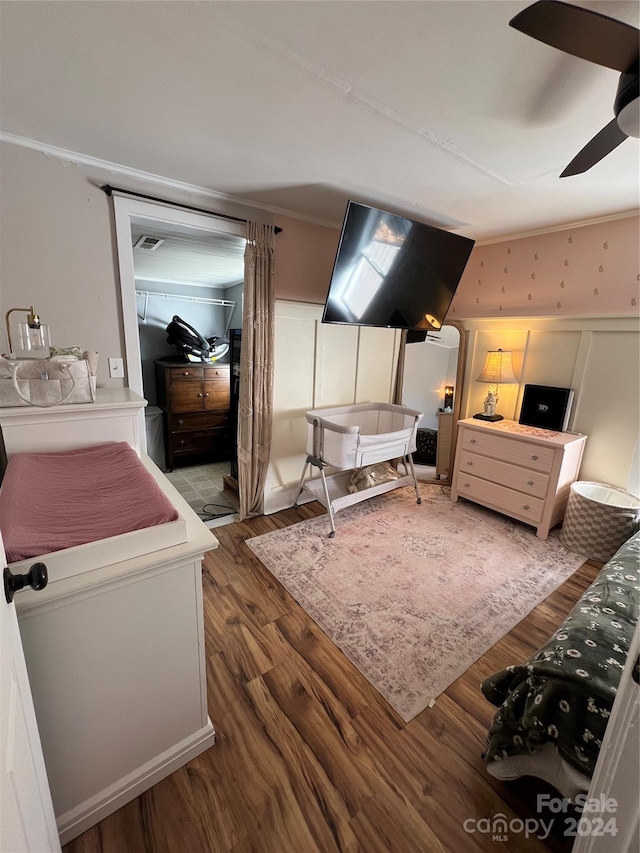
(37, 578)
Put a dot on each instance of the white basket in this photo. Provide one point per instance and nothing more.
(599, 519)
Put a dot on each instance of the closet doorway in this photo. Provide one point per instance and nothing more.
(190, 267)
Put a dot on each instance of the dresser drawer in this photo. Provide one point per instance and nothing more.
(531, 483)
(499, 497)
(508, 450)
(217, 373)
(201, 420)
(196, 442)
(179, 374)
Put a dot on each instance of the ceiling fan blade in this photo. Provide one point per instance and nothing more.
(581, 32)
(602, 144)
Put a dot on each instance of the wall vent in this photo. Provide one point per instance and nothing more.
(149, 244)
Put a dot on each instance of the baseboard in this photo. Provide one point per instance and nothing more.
(76, 821)
(283, 498)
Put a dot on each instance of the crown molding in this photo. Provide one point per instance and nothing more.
(580, 223)
(75, 158)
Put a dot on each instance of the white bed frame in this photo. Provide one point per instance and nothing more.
(351, 437)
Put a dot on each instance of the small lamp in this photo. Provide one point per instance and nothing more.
(497, 370)
(33, 336)
(448, 397)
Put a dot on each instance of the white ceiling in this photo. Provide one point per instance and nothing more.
(438, 110)
(187, 256)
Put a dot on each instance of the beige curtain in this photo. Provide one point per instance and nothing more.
(256, 368)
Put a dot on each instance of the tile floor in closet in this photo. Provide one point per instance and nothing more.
(202, 485)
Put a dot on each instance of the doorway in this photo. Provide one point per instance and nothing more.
(186, 270)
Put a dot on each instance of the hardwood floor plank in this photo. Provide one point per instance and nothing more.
(259, 788)
(325, 810)
(342, 676)
(170, 820)
(382, 825)
(232, 629)
(221, 827)
(325, 727)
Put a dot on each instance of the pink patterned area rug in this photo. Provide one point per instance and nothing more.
(414, 595)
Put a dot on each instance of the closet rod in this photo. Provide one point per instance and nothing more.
(179, 297)
(200, 300)
(109, 190)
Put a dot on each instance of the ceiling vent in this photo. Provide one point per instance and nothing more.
(149, 244)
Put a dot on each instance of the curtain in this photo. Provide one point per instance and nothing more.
(256, 368)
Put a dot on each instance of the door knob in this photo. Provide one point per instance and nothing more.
(37, 578)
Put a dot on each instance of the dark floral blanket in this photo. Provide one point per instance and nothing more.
(564, 693)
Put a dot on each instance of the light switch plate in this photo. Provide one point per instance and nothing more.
(116, 368)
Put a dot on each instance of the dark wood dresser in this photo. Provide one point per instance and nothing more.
(195, 402)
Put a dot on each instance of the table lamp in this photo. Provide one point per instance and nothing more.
(33, 336)
(497, 370)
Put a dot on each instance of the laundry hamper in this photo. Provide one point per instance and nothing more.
(599, 519)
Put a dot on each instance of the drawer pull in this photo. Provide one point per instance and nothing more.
(529, 482)
(185, 373)
(182, 441)
(469, 463)
(466, 485)
(206, 393)
(472, 441)
(200, 395)
(180, 421)
(526, 506)
(534, 457)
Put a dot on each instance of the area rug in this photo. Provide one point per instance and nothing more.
(414, 595)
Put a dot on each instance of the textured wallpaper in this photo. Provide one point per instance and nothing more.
(591, 270)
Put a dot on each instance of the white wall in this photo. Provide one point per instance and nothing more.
(58, 250)
(319, 366)
(598, 357)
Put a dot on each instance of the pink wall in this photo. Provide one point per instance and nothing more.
(591, 270)
(304, 260)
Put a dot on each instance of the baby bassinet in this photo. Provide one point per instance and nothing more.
(349, 437)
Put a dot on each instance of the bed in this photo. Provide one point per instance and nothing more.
(348, 438)
(554, 708)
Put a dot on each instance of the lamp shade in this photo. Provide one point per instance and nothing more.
(498, 368)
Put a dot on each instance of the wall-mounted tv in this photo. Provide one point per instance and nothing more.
(393, 272)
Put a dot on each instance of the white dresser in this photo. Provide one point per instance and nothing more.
(521, 471)
(114, 644)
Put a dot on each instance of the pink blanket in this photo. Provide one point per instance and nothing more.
(52, 501)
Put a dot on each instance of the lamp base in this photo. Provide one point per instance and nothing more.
(482, 417)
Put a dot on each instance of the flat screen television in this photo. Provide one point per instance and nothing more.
(393, 272)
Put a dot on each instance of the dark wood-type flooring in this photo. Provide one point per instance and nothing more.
(309, 757)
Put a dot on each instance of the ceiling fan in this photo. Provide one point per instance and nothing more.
(600, 39)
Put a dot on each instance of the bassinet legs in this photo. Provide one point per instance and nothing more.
(312, 460)
(408, 479)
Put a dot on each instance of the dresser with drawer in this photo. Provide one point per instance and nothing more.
(521, 471)
(195, 399)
